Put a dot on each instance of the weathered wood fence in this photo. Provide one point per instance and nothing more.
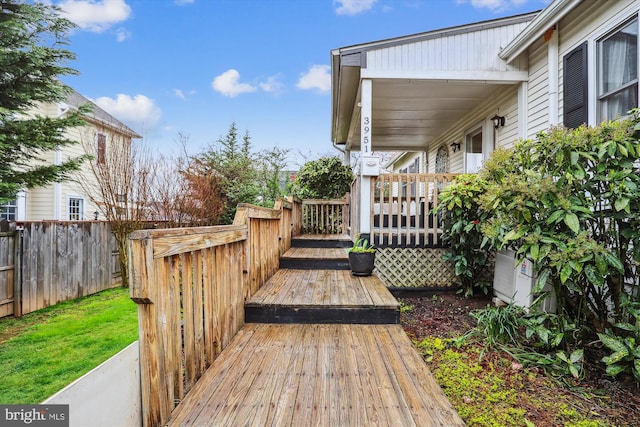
(46, 262)
(190, 285)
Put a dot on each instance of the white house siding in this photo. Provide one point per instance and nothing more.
(504, 102)
(507, 136)
(40, 203)
(460, 51)
(538, 89)
(588, 22)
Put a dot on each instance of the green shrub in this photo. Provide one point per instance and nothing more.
(462, 222)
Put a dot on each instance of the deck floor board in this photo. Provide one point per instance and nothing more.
(321, 375)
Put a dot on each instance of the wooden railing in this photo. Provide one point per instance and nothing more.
(325, 216)
(403, 209)
(190, 285)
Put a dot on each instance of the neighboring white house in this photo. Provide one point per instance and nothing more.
(67, 200)
(458, 93)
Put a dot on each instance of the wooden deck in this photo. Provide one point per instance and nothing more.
(322, 296)
(319, 348)
(320, 375)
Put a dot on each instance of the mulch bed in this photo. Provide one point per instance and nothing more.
(446, 315)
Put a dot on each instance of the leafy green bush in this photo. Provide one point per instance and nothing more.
(325, 178)
(462, 221)
(568, 200)
(625, 356)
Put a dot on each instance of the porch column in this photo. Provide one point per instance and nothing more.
(365, 150)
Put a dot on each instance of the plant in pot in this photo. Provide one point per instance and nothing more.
(362, 257)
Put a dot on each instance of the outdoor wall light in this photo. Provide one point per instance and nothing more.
(455, 146)
(498, 121)
(95, 215)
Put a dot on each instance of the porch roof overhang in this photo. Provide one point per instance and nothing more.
(409, 112)
(411, 107)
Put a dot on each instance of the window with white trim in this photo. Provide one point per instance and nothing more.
(442, 160)
(75, 209)
(8, 210)
(618, 72)
(473, 151)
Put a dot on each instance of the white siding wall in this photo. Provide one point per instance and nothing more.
(538, 89)
(505, 103)
(475, 50)
(407, 160)
(41, 201)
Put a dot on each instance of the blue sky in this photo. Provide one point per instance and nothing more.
(166, 67)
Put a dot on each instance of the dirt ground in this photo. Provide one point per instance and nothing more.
(446, 315)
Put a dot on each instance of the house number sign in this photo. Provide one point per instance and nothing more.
(366, 137)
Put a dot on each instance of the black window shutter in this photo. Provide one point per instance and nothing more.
(575, 87)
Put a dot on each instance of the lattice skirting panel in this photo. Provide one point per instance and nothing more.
(414, 268)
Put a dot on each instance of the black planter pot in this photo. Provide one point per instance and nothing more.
(361, 263)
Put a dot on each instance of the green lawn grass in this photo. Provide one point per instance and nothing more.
(44, 351)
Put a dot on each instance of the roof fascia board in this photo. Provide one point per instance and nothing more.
(445, 32)
(96, 112)
(494, 77)
(536, 28)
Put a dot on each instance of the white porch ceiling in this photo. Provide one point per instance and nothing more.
(408, 114)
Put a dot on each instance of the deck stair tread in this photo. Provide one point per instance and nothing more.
(322, 241)
(316, 253)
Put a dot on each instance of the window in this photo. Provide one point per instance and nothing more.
(414, 168)
(101, 148)
(404, 183)
(473, 151)
(618, 72)
(76, 209)
(442, 160)
(8, 211)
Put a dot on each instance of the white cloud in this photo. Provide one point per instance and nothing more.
(136, 111)
(495, 5)
(183, 2)
(272, 84)
(179, 93)
(228, 84)
(122, 34)
(96, 16)
(353, 7)
(318, 77)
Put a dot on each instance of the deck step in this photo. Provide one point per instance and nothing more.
(315, 259)
(314, 264)
(320, 315)
(324, 297)
(321, 241)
